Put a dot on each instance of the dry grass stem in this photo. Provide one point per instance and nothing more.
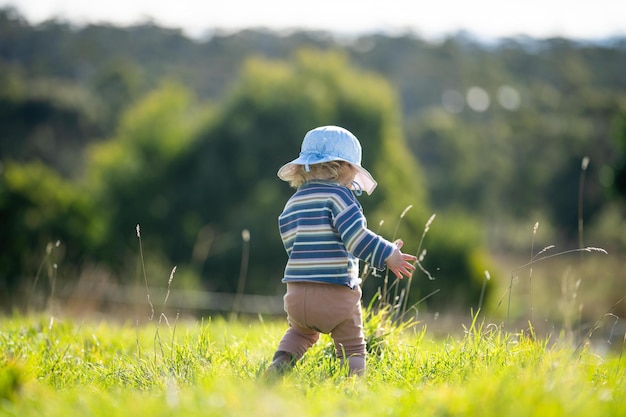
(143, 269)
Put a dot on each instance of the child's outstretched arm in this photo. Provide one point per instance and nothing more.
(401, 264)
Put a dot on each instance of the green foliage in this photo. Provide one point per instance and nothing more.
(195, 177)
(130, 176)
(617, 174)
(216, 368)
(118, 85)
(457, 260)
(497, 169)
(38, 209)
(48, 120)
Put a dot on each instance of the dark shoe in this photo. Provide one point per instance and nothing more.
(281, 363)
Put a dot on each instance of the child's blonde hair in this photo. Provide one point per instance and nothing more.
(337, 171)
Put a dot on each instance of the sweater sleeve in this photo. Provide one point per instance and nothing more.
(359, 240)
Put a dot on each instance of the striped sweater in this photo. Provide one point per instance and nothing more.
(325, 234)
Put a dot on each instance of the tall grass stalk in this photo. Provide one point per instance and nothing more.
(398, 299)
(420, 254)
(482, 290)
(581, 188)
(143, 270)
(243, 269)
(581, 191)
(530, 270)
(157, 342)
(162, 316)
(52, 268)
(536, 259)
(396, 303)
(385, 290)
(597, 325)
(621, 353)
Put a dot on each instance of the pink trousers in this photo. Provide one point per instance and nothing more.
(314, 308)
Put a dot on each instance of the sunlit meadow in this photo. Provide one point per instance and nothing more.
(56, 367)
(153, 365)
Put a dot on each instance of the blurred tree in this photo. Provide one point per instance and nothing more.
(62, 86)
(37, 210)
(118, 85)
(617, 173)
(46, 120)
(130, 175)
(194, 178)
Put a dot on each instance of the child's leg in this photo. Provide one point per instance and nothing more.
(297, 340)
(300, 336)
(350, 345)
(292, 347)
(350, 342)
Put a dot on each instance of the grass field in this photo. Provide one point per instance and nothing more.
(53, 366)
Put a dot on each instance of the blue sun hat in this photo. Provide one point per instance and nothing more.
(331, 143)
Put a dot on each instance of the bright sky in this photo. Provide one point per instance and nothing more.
(579, 19)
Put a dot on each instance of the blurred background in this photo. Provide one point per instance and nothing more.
(131, 144)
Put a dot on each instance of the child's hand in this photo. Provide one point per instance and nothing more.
(401, 264)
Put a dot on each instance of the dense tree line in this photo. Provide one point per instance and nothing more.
(103, 128)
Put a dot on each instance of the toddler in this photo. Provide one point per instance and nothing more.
(325, 234)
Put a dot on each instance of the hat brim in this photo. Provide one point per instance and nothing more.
(363, 178)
